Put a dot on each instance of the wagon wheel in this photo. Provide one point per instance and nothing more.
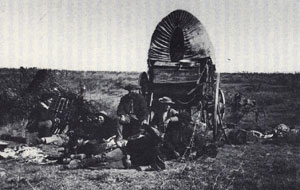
(219, 111)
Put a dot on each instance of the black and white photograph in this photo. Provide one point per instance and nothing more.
(139, 94)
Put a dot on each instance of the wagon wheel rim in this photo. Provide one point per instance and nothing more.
(219, 102)
(220, 133)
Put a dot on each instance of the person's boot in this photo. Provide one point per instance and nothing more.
(160, 163)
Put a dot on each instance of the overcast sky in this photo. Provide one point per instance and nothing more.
(248, 35)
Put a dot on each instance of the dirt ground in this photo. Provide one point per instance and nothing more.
(255, 165)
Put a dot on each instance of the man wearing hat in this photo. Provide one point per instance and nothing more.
(99, 126)
(132, 112)
(165, 114)
(89, 135)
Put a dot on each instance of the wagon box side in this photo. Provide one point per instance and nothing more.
(174, 73)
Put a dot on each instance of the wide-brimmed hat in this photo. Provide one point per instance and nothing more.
(131, 87)
(166, 100)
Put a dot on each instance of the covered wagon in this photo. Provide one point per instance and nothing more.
(180, 66)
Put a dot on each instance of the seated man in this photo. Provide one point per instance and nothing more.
(144, 150)
(132, 112)
(40, 121)
(182, 136)
(165, 114)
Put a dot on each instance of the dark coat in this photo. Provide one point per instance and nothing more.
(159, 121)
(145, 150)
(38, 114)
(133, 104)
(178, 137)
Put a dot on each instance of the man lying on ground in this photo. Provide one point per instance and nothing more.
(89, 137)
(139, 150)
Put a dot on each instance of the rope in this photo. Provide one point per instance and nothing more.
(190, 145)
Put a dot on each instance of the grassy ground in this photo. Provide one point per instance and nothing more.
(235, 167)
(251, 166)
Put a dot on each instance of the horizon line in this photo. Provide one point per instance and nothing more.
(128, 71)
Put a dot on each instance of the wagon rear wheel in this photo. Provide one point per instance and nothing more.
(219, 111)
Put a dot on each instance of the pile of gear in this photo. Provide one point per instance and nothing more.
(280, 134)
(26, 153)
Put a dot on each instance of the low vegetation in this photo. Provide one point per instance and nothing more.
(248, 166)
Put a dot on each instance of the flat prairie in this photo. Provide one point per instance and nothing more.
(253, 165)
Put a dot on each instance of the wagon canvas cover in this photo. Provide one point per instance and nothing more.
(178, 36)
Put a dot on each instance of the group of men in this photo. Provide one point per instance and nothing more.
(139, 139)
(133, 113)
